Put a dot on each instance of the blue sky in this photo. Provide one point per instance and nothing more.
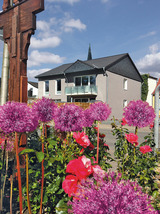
(66, 27)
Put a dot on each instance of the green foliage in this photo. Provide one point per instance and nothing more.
(133, 164)
(144, 88)
(58, 152)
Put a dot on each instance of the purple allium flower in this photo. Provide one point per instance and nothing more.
(100, 111)
(69, 117)
(111, 196)
(45, 109)
(89, 120)
(139, 113)
(17, 117)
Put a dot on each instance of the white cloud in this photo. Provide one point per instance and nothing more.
(65, 1)
(50, 42)
(152, 33)
(37, 58)
(34, 72)
(73, 23)
(150, 63)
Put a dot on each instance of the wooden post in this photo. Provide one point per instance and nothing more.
(19, 23)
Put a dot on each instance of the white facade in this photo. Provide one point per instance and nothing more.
(152, 82)
(33, 89)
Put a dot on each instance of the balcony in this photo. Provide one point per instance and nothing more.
(81, 90)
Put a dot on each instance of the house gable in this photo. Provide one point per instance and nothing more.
(78, 66)
(125, 67)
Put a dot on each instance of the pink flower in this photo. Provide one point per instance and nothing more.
(99, 111)
(132, 138)
(79, 167)
(151, 125)
(124, 122)
(99, 171)
(70, 184)
(82, 139)
(17, 117)
(69, 117)
(139, 113)
(45, 109)
(145, 149)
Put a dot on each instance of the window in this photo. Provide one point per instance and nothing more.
(46, 86)
(78, 81)
(125, 85)
(58, 86)
(85, 80)
(124, 103)
(92, 80)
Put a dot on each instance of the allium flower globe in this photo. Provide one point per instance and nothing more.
(111, 196)
(17, 117)
(45, 109)
(69, 117)
(99, 111)
(139, 113)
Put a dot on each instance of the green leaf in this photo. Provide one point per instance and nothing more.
(40, 156)
(26, 151)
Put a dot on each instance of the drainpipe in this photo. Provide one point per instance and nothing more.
(105, 74)
(5, 69)
(5, 74)
(156, 122)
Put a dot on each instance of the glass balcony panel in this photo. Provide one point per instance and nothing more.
(89, 89)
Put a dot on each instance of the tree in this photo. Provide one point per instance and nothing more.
(144, 87)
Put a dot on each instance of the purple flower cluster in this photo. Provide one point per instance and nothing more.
(139, 113)
(45, 109)
(69, 117)
(99, 111)
(17, 117)
(111, 196)
(89, 120)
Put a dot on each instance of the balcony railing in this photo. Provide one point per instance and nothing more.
(81, 90)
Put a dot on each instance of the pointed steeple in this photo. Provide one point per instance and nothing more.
(89, 53)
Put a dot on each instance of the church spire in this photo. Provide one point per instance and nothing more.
(89, 53)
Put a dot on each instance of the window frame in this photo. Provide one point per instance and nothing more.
(125, 84)
(58, 92)
(89, 81)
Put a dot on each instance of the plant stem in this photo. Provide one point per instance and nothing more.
(42, 180)
(1, 180)
(4, 183)
(98, 143)
(11, 193)
(27, 185)
(19, 175)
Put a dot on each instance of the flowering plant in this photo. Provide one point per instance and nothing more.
(139, 113)
(111, 195)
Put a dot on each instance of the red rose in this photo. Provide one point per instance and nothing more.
(145, 149)
(132, 138)
(78, 168)
(70, 184)
(124, 122)
(82, 139)
(102, 135)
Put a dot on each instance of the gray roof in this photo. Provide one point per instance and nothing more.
(110, 63)
(34, 84)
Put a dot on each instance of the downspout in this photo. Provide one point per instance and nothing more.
(5, 70)
(156, 122)
(5, 75)
(105, 74)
